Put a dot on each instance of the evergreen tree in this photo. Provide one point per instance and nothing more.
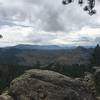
(96, 56)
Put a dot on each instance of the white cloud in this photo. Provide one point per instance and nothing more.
(27, 35)
(47, 22)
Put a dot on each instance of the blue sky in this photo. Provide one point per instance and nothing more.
(47, 22)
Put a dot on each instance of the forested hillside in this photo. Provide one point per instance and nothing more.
(8, 71)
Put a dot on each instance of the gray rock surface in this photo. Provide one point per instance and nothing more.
(47, 85)
(6, 97)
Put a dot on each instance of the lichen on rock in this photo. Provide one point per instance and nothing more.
(47, 85)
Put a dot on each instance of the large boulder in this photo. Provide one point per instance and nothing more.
(47, 85)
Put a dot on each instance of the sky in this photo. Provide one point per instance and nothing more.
(47, 22)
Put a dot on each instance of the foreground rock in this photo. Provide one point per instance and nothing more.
(6, 97)
(47, 85)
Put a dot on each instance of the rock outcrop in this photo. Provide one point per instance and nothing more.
(46, 85)
(6, 97)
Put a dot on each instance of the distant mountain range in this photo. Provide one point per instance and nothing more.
(38, 47)
(45, 47)
(29, 55)
(51, 47)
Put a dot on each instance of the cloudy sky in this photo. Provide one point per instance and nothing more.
(46, 22)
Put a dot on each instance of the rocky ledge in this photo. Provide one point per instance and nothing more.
(46, 85)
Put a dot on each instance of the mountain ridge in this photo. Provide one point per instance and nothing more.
(30, 56)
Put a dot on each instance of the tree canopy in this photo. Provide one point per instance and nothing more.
(1, 36)
(89, 7)
(96, 56)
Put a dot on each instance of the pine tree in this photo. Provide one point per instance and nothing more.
(96, 56)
